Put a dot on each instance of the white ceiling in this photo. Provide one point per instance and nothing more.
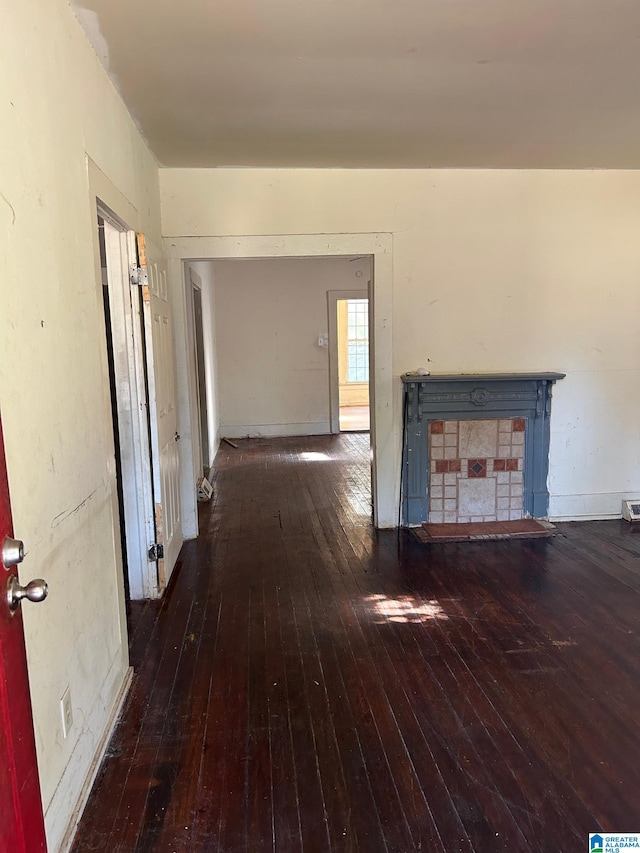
(377, 83)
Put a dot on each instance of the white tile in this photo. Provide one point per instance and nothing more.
(435, 504)
(463, 519)
(516, 476)
(450, 492)
(515, 490)
(477, 496)
(436, 479)
(502, 476)
(505, 425)
(437, 440)
(517, 451)
(515, 514)
(478, 439)
(436, 491)
(516, 503)
(503, 515)
(489, 518)
(476, 518)
(503, 503)
(504, 451)
(450, 517)
(504, 438)
(450, 479)
(436, 517)
(437, 452)
(450, 439)
(517, 438)
(503, 490)
(450, 505)
(451, 452)
(451, 426)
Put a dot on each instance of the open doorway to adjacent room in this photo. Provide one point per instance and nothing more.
(272, 365)
(353, 364)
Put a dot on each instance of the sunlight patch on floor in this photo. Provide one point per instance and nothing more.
(405, 608)
(313, 456)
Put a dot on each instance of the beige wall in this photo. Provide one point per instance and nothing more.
(58, 108)
(273, 375)
(492, 270)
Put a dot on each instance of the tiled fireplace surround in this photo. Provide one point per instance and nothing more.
(476, 447)
(475, 470)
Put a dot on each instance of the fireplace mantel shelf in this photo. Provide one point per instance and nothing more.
(482, 377)
(476, 396)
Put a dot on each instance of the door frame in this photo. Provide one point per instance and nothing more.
(385, 399)
(333, 297)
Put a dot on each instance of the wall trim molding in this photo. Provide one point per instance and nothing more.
(96, 761)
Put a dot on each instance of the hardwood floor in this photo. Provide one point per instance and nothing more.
(354, 418)
(311, 684)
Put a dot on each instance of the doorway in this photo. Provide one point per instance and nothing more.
(378, 247)
(113, 393)
(201, 378)
(125, 347)
(349, 314)
(353, 364)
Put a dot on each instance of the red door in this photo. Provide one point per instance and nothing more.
(21, 821)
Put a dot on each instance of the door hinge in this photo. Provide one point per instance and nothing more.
(156, 551)
(138, 275)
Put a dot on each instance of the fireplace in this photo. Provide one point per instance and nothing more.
(476, 447)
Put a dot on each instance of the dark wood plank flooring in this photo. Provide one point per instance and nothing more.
(311, 684)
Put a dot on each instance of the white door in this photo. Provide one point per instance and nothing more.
(161, 384)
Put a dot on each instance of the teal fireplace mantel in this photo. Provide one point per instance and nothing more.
(475, 396)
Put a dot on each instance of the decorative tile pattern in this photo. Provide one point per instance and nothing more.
(475, 470)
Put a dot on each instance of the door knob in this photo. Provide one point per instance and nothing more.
(12, 552)
(35, 590)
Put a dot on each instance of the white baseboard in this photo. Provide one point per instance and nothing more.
(588, 507)
(72, 826)
(274, 430)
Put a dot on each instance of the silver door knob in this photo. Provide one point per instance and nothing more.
(12, 552)
(35, 590)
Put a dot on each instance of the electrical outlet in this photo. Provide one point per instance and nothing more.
(66, 712)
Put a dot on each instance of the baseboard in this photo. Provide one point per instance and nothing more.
(275, 430)
(72, 826)
(591, 507)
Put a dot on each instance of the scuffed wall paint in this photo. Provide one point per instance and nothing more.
(59, 108)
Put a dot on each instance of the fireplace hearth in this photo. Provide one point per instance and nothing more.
(476, 447)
